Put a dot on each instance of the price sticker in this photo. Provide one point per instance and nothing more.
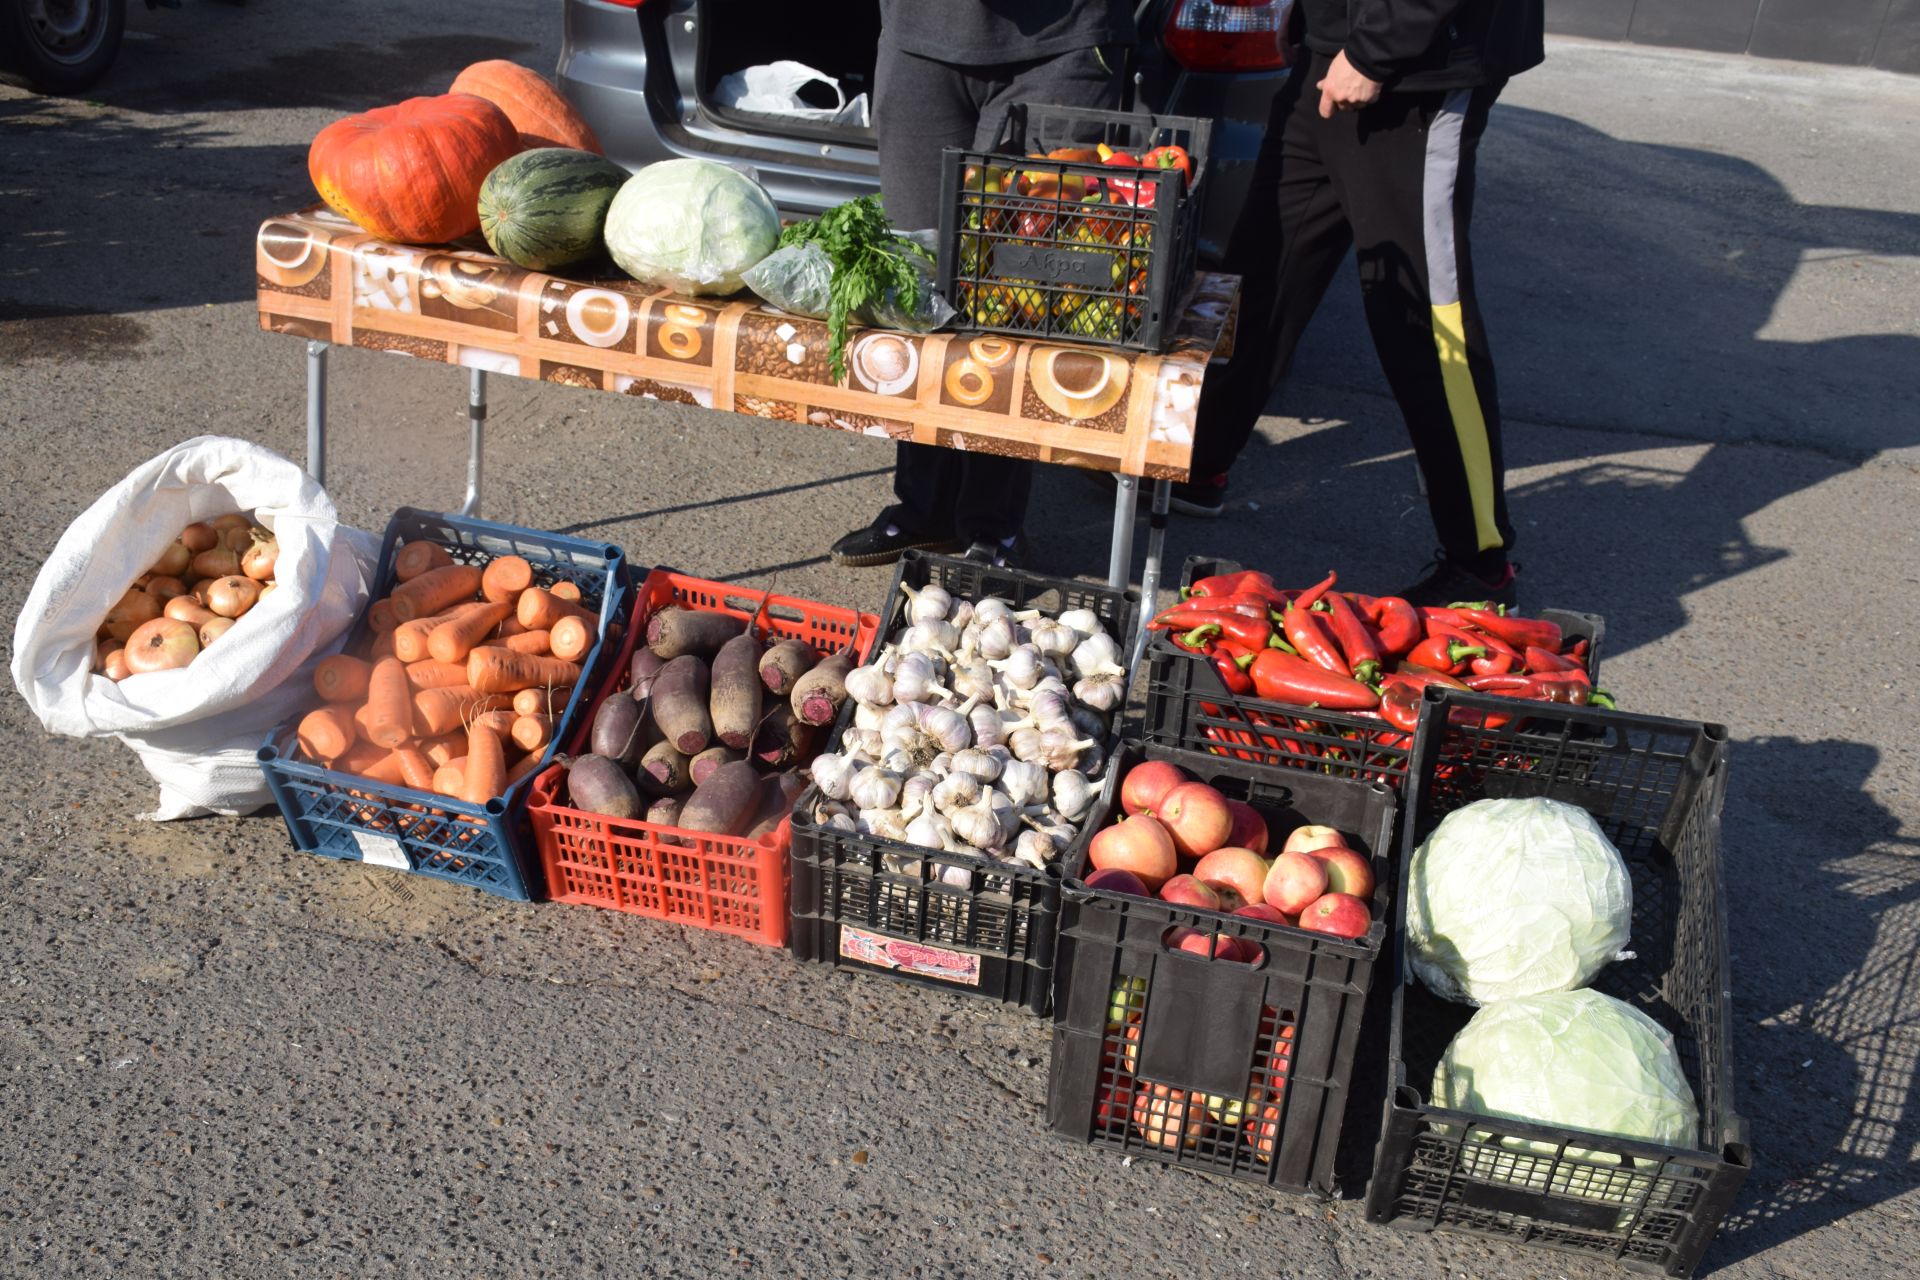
(381, 851)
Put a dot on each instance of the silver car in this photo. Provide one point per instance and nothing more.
(643, 73)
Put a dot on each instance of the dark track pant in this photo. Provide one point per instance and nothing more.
(922, 106)
(1394, 181)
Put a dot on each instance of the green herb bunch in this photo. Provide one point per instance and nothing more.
(868, 258)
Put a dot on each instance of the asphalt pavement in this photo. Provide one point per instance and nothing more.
(222, 1058)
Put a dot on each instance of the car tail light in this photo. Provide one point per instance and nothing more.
(627, 4)
(1229, 35)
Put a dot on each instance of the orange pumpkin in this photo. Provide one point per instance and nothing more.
(412, 172)
(543, 117)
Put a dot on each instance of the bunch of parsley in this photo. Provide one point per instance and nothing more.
(868, 257)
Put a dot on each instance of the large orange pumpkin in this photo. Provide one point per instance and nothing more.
(412, 172)
(543, 117)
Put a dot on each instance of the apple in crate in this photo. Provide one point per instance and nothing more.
(1146, 784)
(1295, 882)
(1310, 836)
(1340, 914)
(1249, 828)
(1118, 880)
(1197, 818)
(1215, 946)
(1168, 1117)
(1241, 870)
(1348, 870)
(1140, 845)
(1185, 891)
(1264, 912)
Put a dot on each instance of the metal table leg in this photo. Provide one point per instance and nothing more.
(317, 409)
(476, 432)
(1150, 574)
(1120, 562)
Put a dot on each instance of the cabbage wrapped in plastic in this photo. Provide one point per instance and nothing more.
(798, 279)
(1574, 1060)
(1512, 898)
(691, 225)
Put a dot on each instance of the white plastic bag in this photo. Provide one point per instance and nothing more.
(196, 729)
(774, 90)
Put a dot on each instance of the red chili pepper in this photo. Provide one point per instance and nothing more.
(1499, 682)
(1307, 632)
(1432, 613)
(1231, 673)
(1500, 657)
(1444, 653)
(1250, 633)
(1356, 638)
(1169, 158)
(1399, 623)
(1189, 614)
(1578, 650)
(1284, 678)
(1400, 704)
(1538, 659)
(1311, 596)
(1245, 582)
(1515, 631)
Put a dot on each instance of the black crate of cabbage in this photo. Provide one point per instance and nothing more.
(1188, 706)
(1238, 1068)
(1069, 248)
(1656, 788)
(947, 920)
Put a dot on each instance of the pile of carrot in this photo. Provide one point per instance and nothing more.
(464, 681)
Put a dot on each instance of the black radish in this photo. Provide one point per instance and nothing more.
(817, 695)
(784, 663)
(680, 704)
(782, 739)
(619, 731)
(663, 770)
(646, 665)
(723, 804)
(735, 697)
(676, 632)
(773, 801)
(599, 785)
(665, 811)
(707, 761)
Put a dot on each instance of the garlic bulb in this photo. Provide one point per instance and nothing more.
(972, 678)
(988, 726)
(916, 792)
(1024, 783)
(930, 831)
(869, 686)
(978, 763)
(874, 788)
(897, 761)
(994, 640)
(1049, 708)
(1034, 849)
(914, 678)
(1085, 622)
(1051, 638)
(992, 609)
(866, 716)
(1072, 794)
(1025, 744)
(930, 603)
(978, 823)
(1060, 750)
(1021, 668)
(1097, 655)
(955, 791)
(961, 614)
(931, 637)
(843, 822)
(885, 823)
(833, 774)
(946, 728)
(1102, 692)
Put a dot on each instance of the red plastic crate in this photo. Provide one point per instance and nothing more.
(725, 883)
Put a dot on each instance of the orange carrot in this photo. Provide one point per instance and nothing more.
(448, 746)
(439, 711)
(542, 702)
(410, 638)
(417, 558)
(570, 638)
(566, 590)
(380, 617)
(341, 678)
(416, 771)
(534, 642)
(428, 674)
(528, 764)
(532, 733)
(539, 610)
(448, 778)
(500, 721)
(364, 760)
(501, 671)
(382, 647)
(389, 713)
(508, 627)
(453, 639)
(505, 578)
(434, 590)
(327, 733)
(485, 775)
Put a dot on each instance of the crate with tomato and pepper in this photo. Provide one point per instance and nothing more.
(1320, 678)
(1076, 224)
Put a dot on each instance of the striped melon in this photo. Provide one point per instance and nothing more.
(544, 208)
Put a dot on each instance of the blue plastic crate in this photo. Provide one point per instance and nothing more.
(490, 846)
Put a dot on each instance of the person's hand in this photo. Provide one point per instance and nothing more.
(1345, 89)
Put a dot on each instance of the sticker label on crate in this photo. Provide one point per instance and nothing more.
(909, 957)
(381, 851)
(1089, 268)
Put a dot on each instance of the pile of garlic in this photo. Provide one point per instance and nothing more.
(976, 730)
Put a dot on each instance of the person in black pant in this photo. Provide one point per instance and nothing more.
(1372, 144)
(947, 71)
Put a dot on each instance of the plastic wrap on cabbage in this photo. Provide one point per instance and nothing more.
(798, 279)
(1510, 898)
(1575, 1060)
(691, 225)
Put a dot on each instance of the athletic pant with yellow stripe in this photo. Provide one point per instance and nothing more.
(1394, 181)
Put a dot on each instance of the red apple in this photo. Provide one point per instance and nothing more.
(1140, 845)
(1118, 880)
(1241, 870)
(1249, 828)
(1265, 912)
(1167, 1118)
(161, 644)
(1197, 818)
(1340, 914)
(1265, 1131)
(1296, 882)
(1146, 784)
(1230, 899)
(1348, 871)
(1115, 1101)
(1217, 946)
(1308, 837)
(1185, 891)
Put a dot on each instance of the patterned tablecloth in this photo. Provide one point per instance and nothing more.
(322, 277)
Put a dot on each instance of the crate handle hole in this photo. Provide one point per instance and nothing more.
(1185, 940)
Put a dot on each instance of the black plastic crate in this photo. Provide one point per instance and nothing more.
(489, 846)
(947, 920)
(1082, 251)
(1656, 787)
(1188, 706)
(1232, 1034)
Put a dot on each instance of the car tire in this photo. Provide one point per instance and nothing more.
(62, 46)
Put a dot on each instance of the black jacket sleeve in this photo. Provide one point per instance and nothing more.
(1384, 34)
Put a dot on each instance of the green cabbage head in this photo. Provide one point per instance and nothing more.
(1512, 898)
(692, 226)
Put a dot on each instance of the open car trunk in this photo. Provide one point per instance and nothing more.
(840, 39)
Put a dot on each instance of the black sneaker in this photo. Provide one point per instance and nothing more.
(998, 555)
(882, 542)
(1203, 498)
(1446, 582)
